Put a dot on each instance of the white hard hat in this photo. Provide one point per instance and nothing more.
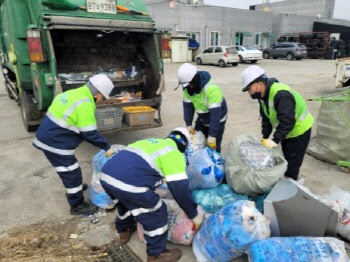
(250, 74)
(186, 73)
(103, 84)
(183, 131)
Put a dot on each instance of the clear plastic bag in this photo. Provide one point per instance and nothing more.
(206, 169)
(97, 194)
(197, 142)
(308, 249)
(256, 155)
(213, 199)
(227, 234)
(339, 200)
(181, 230)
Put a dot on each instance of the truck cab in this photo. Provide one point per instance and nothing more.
(50, 46)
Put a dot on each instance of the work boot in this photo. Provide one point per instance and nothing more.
(125, 236)
(171, 255)
(83, 209)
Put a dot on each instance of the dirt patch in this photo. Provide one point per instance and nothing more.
(53, 242)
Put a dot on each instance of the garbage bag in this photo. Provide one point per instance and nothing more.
(245, 179)
(339, 200)
(310, 249)
(197, 142)
(98, 195)
(227, 234)
(181, 228)
(206, 169)
(213, 199)
(332, 142)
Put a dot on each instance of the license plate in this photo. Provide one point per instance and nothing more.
(101, 6)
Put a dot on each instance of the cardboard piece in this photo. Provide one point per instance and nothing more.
(293, 212)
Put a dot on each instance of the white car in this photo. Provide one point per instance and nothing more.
(249, 53)
(218, 55)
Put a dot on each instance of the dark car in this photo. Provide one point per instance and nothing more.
(289, 50)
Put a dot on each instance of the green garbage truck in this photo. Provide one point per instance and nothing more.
(50, 46)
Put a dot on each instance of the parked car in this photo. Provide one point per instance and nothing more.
(289, 50)
(248, 53)
(218, 55)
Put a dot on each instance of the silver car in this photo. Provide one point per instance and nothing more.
(289, 50)
(218, 55)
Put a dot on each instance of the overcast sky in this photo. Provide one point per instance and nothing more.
(341, 10)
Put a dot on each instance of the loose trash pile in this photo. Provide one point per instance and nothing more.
(228, 233)
(310, 249)
(97, 194)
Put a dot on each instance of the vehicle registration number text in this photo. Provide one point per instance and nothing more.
(101, 6)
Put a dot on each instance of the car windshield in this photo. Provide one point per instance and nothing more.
(250, 48)
(231, 50)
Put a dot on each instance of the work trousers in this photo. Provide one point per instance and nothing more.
(294, 151)
(205, 129)
(67, 167)
(147, 209)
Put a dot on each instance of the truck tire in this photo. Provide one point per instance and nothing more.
(30, 114)
(9, 94)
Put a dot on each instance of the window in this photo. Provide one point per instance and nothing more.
(218, 50)
(257, 39)
(231, 50)
(239, 39)
(214, 38)
(237, 48)
(250, 48)
(209, 50)
(189, 2)
(194, 36)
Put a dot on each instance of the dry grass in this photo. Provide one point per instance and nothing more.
(45, 243)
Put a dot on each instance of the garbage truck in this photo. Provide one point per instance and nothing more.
(51, 46)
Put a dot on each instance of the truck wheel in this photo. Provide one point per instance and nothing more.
(199, 61)
(30, 113)
(222, 63)
(9, 94)
(266, 55)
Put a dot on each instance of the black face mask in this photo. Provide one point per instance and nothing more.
(194, 85)
(256, 95)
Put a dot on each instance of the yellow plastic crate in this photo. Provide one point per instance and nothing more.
(138, 115)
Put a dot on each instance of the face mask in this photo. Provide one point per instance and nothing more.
(256, 95)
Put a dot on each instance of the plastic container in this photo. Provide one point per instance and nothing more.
(138, 115)
(109, 118)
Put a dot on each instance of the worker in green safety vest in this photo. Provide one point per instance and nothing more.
(284, 110)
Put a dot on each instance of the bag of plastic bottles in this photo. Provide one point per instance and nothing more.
(227, 234)
(197, 142)
(213, 199)
(206, 169)
(180, 226)
(310, 249)
(249, 168)
(98, 195)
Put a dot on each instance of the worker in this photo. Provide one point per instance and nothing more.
(69, 120)
(131, 177)
(284, 110)
(200, 94)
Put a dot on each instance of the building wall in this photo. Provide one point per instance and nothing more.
(322, 8)
(204, 19)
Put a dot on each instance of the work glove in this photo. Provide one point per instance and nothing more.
(110, 152)
(198, 220)
(191, 130)
(269, 143)
(211, 142)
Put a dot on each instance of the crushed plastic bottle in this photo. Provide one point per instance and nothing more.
(256, 155)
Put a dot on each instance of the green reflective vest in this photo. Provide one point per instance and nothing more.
(304, 119)
(163, 156)
(74, 110)
(209, 97)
